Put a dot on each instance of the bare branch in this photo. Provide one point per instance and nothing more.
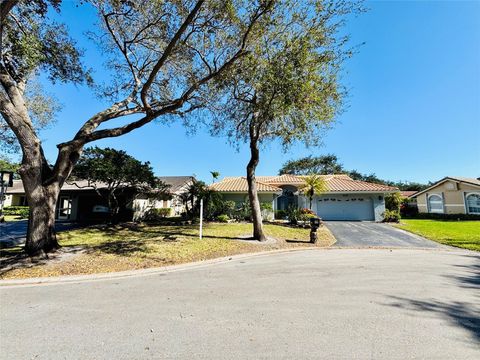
(168, 50)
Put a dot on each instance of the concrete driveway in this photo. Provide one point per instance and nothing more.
(317, 304)
(359, 234)
(13, 233)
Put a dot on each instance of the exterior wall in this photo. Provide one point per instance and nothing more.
(453, 199)
(378, 206)
(13, 200)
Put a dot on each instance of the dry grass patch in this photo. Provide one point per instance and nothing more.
(100, 250)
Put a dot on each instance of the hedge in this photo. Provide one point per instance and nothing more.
(443, 216)
(20, 211)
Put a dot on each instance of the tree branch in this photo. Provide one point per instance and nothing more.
(168, 50)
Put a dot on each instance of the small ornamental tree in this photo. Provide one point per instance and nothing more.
(287, 88)
(314, 185)
(110, 172)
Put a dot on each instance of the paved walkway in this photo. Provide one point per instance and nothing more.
(318, 304)
(359, 234)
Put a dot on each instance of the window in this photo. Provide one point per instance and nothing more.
(435, 204)
(473, 203)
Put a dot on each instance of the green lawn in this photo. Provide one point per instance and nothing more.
(99, 249)
(463, 234)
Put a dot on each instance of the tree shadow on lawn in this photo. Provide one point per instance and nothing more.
(463, 314)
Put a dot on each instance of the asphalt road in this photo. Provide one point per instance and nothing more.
(317, 304)
(369, 234)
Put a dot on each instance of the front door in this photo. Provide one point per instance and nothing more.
(64, 208)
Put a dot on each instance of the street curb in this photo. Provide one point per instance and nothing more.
(142, 272)
(72, 279)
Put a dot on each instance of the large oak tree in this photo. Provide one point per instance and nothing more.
(163, 57)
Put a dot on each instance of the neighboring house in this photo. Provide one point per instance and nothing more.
(346, 199)
(80, 202)
(450, 195)
(177, 186)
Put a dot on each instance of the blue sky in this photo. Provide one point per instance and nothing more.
(413, 109)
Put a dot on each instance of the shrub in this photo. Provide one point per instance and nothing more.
(293, 214)
(306, 211)
(408, 209)
(393, 201)
(452, 217)
(391, 216)
(266, 206)
(280, 214)
(223, 218)
(243, 212)
(153, 215)
(19, 211)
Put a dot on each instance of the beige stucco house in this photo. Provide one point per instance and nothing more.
(451, 195)
(345, 198)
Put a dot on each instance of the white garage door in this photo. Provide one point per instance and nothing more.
(345, 208)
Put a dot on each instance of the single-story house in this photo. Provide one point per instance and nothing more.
(451, 195)
(79, 201)
(177, 186)
(345, 199)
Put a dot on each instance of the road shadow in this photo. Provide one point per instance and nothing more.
(462, 314)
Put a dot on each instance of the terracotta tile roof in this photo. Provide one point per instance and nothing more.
(335, 183)
(282, 179)
(344, 183)
(408, 193)
(239, 184)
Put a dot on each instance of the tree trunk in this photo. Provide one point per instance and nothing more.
(258, 233)
(41, 237)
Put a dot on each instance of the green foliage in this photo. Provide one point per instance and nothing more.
(32, 41)
(393, 201)
(391, 216)
(20, 211)
(266, 206)
(215, 175)
(113, 167)
(447, 217)
(293, 214)
(280, 214)
(156, 214)
(320, 165)
(117, 171)
(314, 185)
(328, 164)
(223, 218)
(7, 165)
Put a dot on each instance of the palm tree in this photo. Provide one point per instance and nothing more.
(315, 185)
(215, 175)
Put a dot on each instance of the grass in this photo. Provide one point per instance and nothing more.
(99, 249)
(463, 234)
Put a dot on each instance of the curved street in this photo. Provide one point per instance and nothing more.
(320, 304)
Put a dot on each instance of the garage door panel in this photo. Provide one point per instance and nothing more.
(342, 208)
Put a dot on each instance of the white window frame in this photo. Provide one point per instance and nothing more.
(466, 203)
(430, 208)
